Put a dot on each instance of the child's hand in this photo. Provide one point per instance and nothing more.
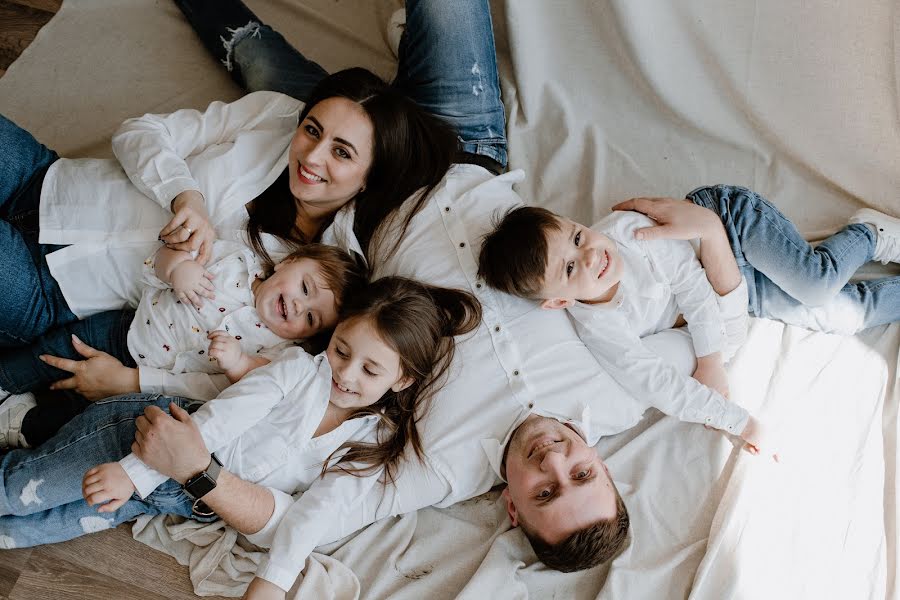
(107, 483)
(191, 282)
(711, 373)
(757, 438)
(227, 350)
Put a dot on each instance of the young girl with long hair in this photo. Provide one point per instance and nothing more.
(353, 408)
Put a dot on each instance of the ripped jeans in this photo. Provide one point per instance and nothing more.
(447, 63)
(40, 488)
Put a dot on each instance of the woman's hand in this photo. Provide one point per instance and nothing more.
(678, 219)
(171, 445)
(261, 589)
(99, 376)
(108, 485)
(190, 229)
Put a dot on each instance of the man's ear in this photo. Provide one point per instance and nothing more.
(402, 384)
(511, 507)
(557, 303)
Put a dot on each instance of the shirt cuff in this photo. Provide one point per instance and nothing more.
(283, 576)
(151, 380)
(733, 419)
(166, 192)
(266, 535)
(707, 339)
(145, 479)
(735, 302)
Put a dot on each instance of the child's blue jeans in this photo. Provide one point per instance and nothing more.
(40, 489)
(790, 281)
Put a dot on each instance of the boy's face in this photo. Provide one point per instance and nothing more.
(294, 302)
(581, 265)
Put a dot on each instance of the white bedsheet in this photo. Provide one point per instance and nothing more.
(605, 100)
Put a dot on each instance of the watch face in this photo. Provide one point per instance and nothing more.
(200, 485)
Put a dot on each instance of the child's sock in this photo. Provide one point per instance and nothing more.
(12, 414)
(887, 233)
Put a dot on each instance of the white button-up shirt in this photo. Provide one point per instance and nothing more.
(168, 339)
(660, 280)
(111, 211)
(261, 428)
(520, 358)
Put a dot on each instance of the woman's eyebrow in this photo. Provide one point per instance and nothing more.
(337, 139)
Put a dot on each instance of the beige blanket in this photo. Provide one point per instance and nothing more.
(606, 100)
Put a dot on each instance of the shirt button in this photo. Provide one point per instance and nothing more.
(516, 372)
(462, 244)
(446, 209)
(531, 405)
(496, 328)
(478, 285)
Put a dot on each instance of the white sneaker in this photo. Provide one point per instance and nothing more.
(395, 28)
(887, 234)
(12, 413)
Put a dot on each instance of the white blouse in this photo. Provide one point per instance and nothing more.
(110, 212)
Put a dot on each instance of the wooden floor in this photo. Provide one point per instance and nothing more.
(104, 566)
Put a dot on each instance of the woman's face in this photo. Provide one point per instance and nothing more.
(330, 154)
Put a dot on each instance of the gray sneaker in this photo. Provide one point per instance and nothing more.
(12, 413)
(887, 234)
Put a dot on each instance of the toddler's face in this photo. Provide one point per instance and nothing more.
(295, 302)
(581, 264)
(363, 366)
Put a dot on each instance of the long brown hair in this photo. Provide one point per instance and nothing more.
(419, 322)
(412, 151)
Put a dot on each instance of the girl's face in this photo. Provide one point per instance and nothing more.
(330, 154)
(363, 366)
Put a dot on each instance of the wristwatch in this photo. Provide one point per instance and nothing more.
(204, 482)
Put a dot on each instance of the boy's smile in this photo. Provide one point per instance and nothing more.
(581, 265)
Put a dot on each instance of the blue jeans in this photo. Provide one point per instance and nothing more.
(40, 490)
(448, 63)
(21, 369)
(790, 281)
(30, 298)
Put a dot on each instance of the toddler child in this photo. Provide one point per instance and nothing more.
(174, 343)
(353, 407)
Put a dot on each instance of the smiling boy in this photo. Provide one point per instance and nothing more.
(617, 290)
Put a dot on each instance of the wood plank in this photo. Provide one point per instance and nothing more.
(116, 556)
(51, 6)
(11, 564)
(18, 26)
(45, 578)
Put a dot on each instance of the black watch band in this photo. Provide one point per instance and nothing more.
(204, 482)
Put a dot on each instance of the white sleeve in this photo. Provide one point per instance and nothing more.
(152, 148)
(237, 409)
(196, 386)
(337, 505)
(693, 293)
(649, 378)
(733, 308)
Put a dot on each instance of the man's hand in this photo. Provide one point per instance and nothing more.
(711, 372)
(190, 229)
(678, 219)
(171, 445)
(261, 589)
(192, 283)
(100, 376)
(108, 485)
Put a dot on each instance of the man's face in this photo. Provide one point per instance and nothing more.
(581, 265)
(557, 483)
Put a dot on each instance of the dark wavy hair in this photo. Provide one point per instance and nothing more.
(419, 322)
(412, 151)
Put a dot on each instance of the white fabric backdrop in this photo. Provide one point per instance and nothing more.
(605, 100)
